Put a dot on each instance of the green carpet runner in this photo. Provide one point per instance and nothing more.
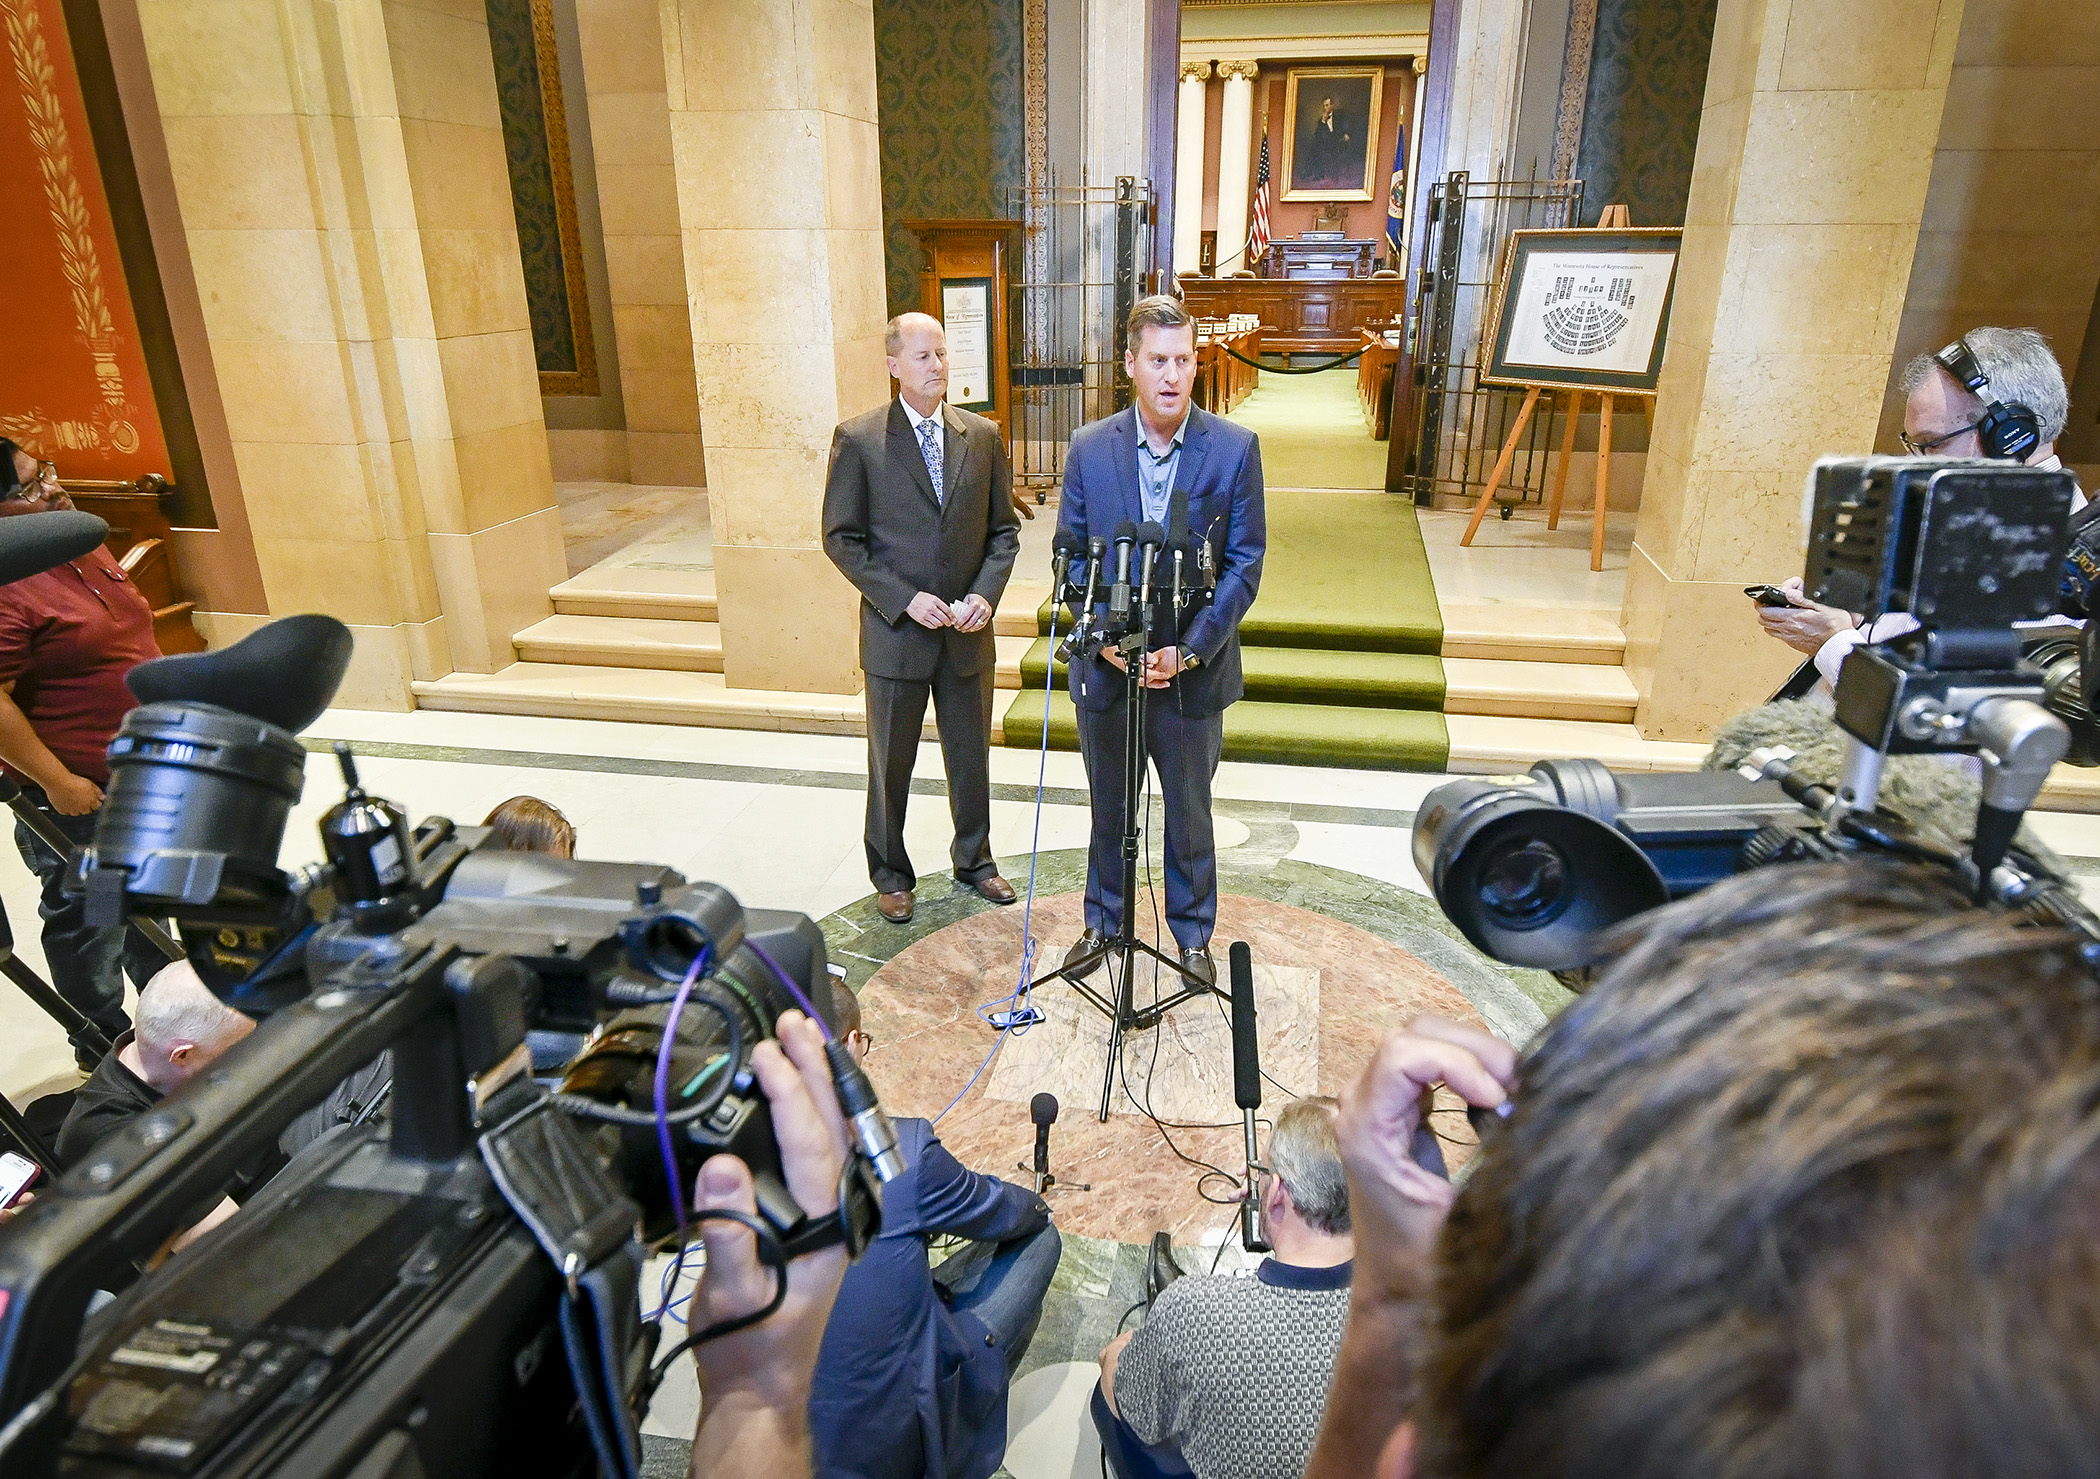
(1340, 649)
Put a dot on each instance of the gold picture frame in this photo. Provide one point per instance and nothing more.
(1326, 177)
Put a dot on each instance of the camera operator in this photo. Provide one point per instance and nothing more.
(67, 639)
(2015, 413)
(916, 1363)
(1803, 1187)
(755, 1382)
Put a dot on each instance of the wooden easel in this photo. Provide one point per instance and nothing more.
(1560, 474)
(1614, 217)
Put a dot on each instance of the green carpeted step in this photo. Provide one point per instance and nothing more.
(1307, 675)
(1344, 571)
(1294, 734)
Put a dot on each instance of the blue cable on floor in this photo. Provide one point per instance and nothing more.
(1019, 1010)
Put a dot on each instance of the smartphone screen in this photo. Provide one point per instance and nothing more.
(17, 1175)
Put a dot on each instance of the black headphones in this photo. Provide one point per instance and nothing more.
(2008, 429)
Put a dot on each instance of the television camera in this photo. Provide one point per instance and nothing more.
(453, 1291)
(1537, 869)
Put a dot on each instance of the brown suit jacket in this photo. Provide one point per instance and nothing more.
(887, 535)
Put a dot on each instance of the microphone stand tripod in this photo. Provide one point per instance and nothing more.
(1122, 950)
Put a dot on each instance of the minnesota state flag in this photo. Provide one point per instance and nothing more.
(1396, 200)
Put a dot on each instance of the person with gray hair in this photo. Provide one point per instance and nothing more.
(1993, 393)
(1229, 1376)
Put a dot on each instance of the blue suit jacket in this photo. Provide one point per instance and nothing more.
(1220, 475)
(906, 1387)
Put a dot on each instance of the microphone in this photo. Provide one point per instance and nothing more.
(1246, 1084)
(1062, 548)
(1119, 591)
(1177, 540)
(1043, 1110)
(1083, 622)
(1150, 538)
(282, 674)
(30, 544)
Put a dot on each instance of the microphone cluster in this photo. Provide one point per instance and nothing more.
(1081, 568)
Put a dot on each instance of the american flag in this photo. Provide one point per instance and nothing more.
(1258, 238)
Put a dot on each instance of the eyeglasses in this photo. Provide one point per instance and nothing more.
(1918, 448)
(43, 481)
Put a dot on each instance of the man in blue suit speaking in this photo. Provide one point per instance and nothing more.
(1166, 462)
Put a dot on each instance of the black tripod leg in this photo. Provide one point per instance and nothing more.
(80, 1029)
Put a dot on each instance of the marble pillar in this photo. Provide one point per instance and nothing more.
(1815, 147)
(488, 495)
(1112, 84)
(2011, 233)
(1188, 169)
(1235, 164)
(623, 76)
(773, 140)
(339, 170)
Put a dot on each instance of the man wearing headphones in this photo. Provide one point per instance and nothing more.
(1995, 393)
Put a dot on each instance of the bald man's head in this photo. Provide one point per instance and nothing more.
(915, 347)
(182, 1028)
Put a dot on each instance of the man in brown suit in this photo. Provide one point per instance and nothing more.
(919, 515)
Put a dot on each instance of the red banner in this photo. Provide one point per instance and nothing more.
(73, 385)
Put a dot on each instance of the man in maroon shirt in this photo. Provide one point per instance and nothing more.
(67, 638)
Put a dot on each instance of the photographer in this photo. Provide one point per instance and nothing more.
(755, 1383)
(67, 639)
(1802, 1187)
(2015, 412)
(916, 1362)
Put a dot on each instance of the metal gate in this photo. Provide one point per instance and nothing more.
(1084, 253)
(1460, 424)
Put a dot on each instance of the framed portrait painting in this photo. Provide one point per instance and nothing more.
(1330, 142)
(1583, 309)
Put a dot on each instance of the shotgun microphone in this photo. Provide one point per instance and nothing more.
(1151, 538)
(1043, 1110)
(1246, 1087)
(1119, 589)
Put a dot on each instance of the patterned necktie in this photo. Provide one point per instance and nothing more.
(930, 447)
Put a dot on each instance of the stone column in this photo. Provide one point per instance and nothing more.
(1188, 168)
(1113, 85)
(623, 74)
(339, 169)
(488, 495)
(772, 107)
(1815, 147)
(1235, 164)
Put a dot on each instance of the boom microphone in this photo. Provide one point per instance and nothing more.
(1083, 618)
(1043, 1110)
(283, 674)
(1246, 1085)
(30, 544)
(1063, 547)
(1119, 590)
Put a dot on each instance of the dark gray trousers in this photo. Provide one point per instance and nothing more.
(962, 711)
(1185, 753)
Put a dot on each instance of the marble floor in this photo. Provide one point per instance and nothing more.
(1315, 869)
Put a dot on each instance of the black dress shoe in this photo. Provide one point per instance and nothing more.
(1086, 944)
(1196, 962)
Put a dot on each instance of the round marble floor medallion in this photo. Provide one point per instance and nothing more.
(1325, 993)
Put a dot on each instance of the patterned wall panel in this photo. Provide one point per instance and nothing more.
(1641, 120)
(948, 80)
(543, 195)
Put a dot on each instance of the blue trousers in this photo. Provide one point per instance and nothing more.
(1002, 1285)
(1128, 1457)
(1185, 752)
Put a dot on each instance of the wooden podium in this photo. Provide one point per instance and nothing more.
(964, 286)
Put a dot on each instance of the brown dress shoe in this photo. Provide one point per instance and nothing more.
(895, 907)
(995, 888)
